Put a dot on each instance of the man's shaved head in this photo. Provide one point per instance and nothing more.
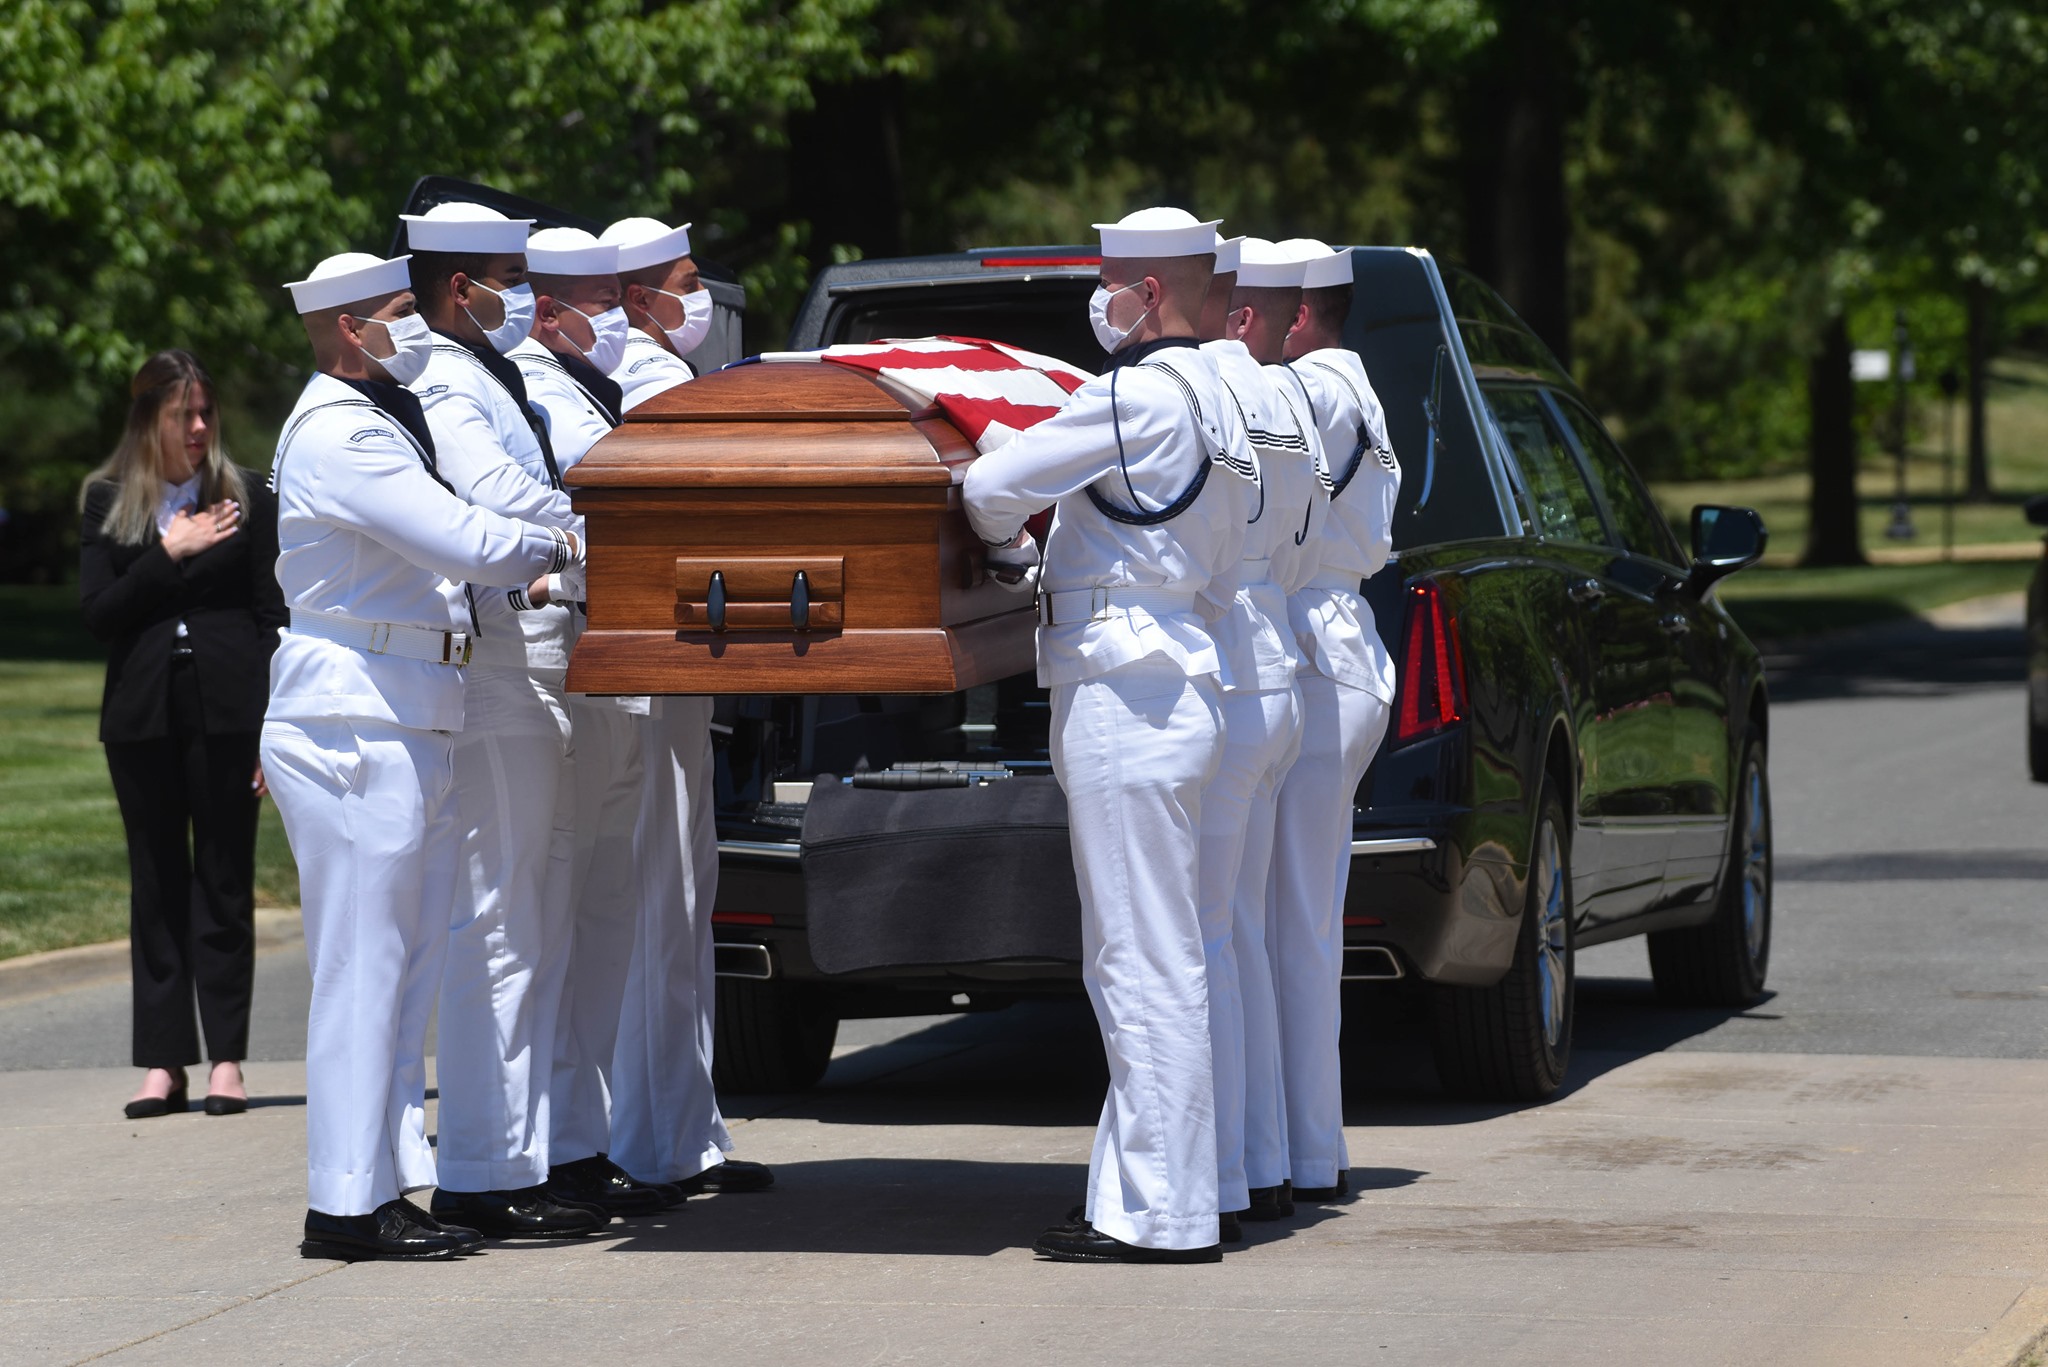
(1275, 309)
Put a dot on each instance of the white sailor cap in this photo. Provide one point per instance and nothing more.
(646, 242)
(570, 251)
(1226, 254)
(347, 279)
(1158, 232)
(469, 228)
(1262, 265)
(1323, 266)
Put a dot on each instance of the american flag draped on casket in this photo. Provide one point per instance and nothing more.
(989, 390)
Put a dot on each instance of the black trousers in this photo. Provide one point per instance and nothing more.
(191, 821)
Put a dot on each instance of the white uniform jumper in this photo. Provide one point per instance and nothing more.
(508, 946)
(648, 368)
(1144, 551)
(356, 748)
(1347, 687)
(666, 1124)
(1262, 726)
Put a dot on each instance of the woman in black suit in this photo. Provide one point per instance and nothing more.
(178, 577)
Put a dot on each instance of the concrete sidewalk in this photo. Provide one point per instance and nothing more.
(1683, 1208)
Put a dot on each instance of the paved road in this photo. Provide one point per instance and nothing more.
(1854, 1171)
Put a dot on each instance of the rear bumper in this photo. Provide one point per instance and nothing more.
(1417, 908)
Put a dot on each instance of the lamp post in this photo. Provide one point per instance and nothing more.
(1901, 526)
(1951, 385)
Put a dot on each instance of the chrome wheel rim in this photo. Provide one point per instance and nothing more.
(1551, 968)
(1756, 865)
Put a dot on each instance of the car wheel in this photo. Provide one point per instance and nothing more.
(1513, 1041)
(770, 1036)
(1724, 962)
(2037, 737)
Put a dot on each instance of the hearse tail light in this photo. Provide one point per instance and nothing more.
(1432, 686)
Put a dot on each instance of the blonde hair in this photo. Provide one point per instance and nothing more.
(136, 467)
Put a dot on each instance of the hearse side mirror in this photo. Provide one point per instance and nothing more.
(2037, 510)
(1724, 540)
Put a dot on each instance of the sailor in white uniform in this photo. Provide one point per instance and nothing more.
(666, 302)
(1347, 687)
(515, 799)
(366, 696)
(1150, 475)
(579, 336)
(665, 1122)
(1259, 298)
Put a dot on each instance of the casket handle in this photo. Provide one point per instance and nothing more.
(800, 601)
(714, 605)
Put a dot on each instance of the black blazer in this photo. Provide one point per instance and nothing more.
(227, 596)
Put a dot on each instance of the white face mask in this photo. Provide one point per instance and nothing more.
(412, 342)
(696, 320)
(1108, 334)
(518, 302)
(609, 331)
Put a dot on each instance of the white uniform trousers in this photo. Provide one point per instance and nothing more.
(665, 1120)
(509, 929)
(1342, 728)
(369, 812)
(1262, 735)
(605, 892)
(1134, 749)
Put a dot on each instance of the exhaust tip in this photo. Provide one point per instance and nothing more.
(742, 961)
(1370, 963)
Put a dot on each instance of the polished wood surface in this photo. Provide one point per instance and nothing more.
(758, 472)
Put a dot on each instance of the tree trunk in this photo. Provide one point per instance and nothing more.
(1518, 224)
(846, 171)
(1833, 535)
(1978, 486)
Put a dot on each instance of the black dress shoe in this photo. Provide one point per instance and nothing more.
(150, 1107)
(1314, 1194)
(396, 1230)
(671, 1195)
(1270, 1203)
(1084, 1243)
(226, 1105)
(734, 1174)
(528, 1213)
(597, 1181)
(1228, 1230)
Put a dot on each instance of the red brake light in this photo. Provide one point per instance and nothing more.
(1020, 262)
(1432, 688)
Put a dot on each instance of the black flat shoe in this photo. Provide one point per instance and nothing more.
(734, 1174)
(397, 1231)
(597, 1181)
(528, 1213)
(226, 1105)
(150, 1107)
(1084, 1243)
(1270, 1203)
(1318, 1194)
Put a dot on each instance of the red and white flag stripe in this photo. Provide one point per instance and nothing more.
(988, 390)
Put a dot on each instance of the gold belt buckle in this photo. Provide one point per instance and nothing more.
(379, 643)
(1098, 603)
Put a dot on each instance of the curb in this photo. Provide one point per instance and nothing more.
(60, 970)
(2014, 1339)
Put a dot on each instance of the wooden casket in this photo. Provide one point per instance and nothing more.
(788, 528)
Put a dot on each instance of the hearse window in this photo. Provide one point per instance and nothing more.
(1447, 494)
(1050, 316)
(1562, 501)
(1642, 526)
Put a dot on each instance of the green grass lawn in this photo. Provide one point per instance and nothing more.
(63, 862)
(1771, 602)
(2016, 425)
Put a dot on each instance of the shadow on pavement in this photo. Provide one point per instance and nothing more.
(1906, 659)
(1040, 1063)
